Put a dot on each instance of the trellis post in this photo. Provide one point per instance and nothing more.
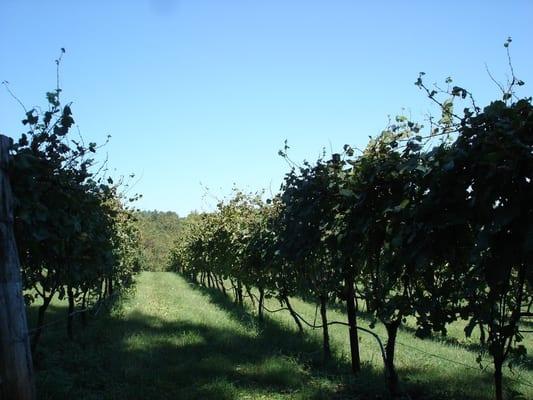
(16, 368)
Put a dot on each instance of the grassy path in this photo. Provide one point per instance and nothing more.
(171, 340)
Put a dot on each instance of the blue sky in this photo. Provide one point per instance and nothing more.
(199, 93)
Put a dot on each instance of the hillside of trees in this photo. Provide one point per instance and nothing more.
(158, 232)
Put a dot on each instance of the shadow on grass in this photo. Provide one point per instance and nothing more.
(524, 361)
(370, 384)
(144, 357)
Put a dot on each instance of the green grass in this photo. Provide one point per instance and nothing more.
(175, 340)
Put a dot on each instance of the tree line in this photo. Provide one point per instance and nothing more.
(158, 231)
(438, 228)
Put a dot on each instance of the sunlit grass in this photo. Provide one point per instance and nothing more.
(442, 366)
(175, 340)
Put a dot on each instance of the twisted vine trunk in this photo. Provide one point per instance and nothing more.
(250, 296)
(482, 337)
(40, 322)
(110, 289)
(352, 323)
(498, 375)
(101, 289)
(84, 308)
(70, 316)
(325, 330)
(235, 294)
(223, 287)
(390, 370)
(293, 315)
(261, 304)
(16, 369)
(239, 293)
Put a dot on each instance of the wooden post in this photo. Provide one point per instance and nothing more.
(16, 368)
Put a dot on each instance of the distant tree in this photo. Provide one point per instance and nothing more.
(159, 230)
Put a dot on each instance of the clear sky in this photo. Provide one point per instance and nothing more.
(199, 93)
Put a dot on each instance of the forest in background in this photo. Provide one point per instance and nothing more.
(158, 232)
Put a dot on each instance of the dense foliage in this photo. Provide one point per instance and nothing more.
(158, 231)
(412, 226)
(75, 232)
